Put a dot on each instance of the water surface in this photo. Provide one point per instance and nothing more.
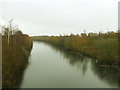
(52, 67)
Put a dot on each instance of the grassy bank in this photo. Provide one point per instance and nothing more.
(14, 58)
(103, 46)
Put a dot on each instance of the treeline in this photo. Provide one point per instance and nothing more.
(103, 46)
(16, 49)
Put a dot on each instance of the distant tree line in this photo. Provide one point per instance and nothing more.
(101, 46)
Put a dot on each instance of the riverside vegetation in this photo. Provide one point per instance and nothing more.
(103, 46)
(16, 48)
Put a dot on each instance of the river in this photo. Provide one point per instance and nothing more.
(52, 67)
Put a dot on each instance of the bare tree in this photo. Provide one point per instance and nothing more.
(9, 29)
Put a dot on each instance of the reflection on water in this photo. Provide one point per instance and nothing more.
(85, 68)
(74, 58)
(109, 75)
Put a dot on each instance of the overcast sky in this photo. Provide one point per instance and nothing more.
(54, 17)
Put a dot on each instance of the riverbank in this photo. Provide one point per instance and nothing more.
(102, 47)
(15, 56)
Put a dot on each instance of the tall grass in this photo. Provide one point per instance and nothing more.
(14, 58)
(104, 47)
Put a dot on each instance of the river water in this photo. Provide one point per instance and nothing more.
(52, 67)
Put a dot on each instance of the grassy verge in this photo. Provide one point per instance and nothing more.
(14, 58)
(104, 47)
